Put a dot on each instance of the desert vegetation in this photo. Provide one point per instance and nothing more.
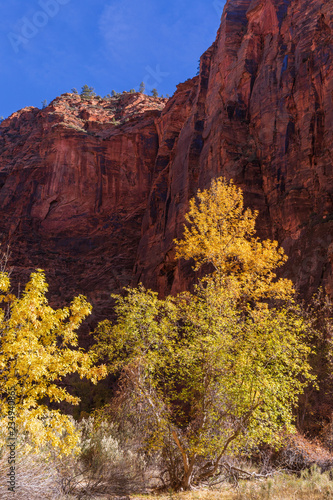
(89, 93)
(208, 381)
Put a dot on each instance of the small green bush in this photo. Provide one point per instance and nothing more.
(87, 92)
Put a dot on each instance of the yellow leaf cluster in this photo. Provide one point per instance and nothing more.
(221, 233)
(38, 349)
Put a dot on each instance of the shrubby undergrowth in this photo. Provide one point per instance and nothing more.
(105, 462)
(111, 463)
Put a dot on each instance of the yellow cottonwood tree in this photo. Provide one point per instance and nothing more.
(220, 232)
(206, 377)
(38, 348)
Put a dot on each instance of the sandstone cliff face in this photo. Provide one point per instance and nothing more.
(95, 192)
(74, 183)
(262, 115)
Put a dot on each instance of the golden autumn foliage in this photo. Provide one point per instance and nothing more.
(38, 348)
(201, 376)
(221, 233)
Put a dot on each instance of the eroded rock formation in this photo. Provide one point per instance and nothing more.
(74, 183)
(262, 114)
(95, 191)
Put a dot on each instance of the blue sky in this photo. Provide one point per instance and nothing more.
(50, 46)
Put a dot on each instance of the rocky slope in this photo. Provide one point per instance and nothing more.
(95, 191)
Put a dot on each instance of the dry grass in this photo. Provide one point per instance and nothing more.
(314, 485)
(109, 466)
(35, 478)
(310, 485)
(222, 494)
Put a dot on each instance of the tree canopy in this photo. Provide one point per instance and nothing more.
(219, 232)
(142, 88)
(87, 92)
(202, 376)
(38, 348)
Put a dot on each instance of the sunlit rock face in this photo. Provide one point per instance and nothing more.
(95, 192)
(74, 183)
(262, 114)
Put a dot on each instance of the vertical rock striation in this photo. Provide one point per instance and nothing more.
(95, 191)
(262, 114)
(74, 183)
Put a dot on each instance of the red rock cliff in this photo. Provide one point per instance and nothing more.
(74, 183)
(262, 114)
(95, 191)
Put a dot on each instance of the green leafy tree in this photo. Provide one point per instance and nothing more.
(142, 88)
(206, 379)
(44, 104)
(154, 93)
(132, 91)
(87, 92)
(74, 90)
(203, 377)
(38, 348)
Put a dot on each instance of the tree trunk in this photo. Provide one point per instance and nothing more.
(186, 483)
(187, 462)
